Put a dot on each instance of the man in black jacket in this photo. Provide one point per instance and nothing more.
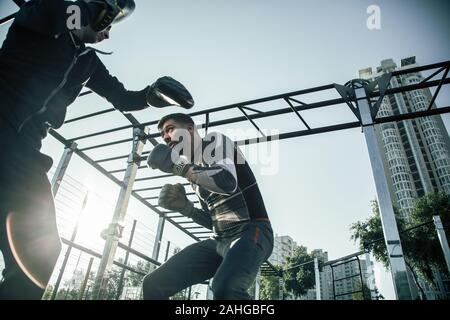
(44, 64)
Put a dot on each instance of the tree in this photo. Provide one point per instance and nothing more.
(420, 245)
(269, 288)
(299, 274)
(426, 251)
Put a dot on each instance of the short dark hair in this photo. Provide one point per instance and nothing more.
(178, 117)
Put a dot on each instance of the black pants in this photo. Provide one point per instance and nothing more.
(234, 264)
(29, 240)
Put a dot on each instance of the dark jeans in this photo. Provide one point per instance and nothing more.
(234, 264)
(29, 239)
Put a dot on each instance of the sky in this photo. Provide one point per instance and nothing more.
(228, 51)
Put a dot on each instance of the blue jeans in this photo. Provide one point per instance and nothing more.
(232, 263)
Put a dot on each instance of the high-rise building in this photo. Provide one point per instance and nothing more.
(283, 247)
(416, 152)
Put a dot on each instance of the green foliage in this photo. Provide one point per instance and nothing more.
(298, 279)
(420, 245)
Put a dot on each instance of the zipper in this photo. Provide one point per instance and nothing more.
(61, 84)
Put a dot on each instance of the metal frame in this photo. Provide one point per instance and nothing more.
(79, 145)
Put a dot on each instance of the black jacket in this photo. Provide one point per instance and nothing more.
(43, 67)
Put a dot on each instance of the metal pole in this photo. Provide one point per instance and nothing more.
(114, 231)
(86, 278)
(62, 167)
(158, 238)
(189, 293)
(69, 249)
(370, 276)
(317, 276)
(280, 288)
(257, 285)
(442, 239)
(127, 254)
(167, 251)
(390, 230)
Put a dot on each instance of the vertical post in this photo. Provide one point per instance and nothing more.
(280, 287)
(317, 274)
(189, 293)
(158, 237)
(442, 239)
(370, 275)
(127, 254)
(167, 251)
(86, 278)
(62, 167)
(114, 231)
(361, 278)
(390, 230)
(69, 249)
(257, 284)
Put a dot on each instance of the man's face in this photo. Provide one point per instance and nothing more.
(90, 36)
(173, 132)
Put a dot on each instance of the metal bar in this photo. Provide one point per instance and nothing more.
(156, 177)
(296, 93)
(361, 278)
(201, 232)
(111, 159)
(347, 293)
(115, 227)
(85, 93)
(69, 249)
(7, 19)
(334, 282)
(298, 101)
(101, 133)
(317, 278)
(106, 144)
(390, 230)
(62, 167)
(123, 170)
(206, 123)
(127, 253)
(97, 255)
(158, 237)
(86, 278)
(156, 197)
(300, 265)
(252, 122)
(332, 262)
(344, 262)
(156, 188)
(138, 254)
(89, 115)
(298, 114)
(438, 89)
(348, 277)
(432, 75)
(167, 251)
(274, 112)
(442, 239)
(251, 109)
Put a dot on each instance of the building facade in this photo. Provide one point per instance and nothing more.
(416, 152)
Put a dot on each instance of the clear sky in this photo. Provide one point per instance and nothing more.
(227, 51)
